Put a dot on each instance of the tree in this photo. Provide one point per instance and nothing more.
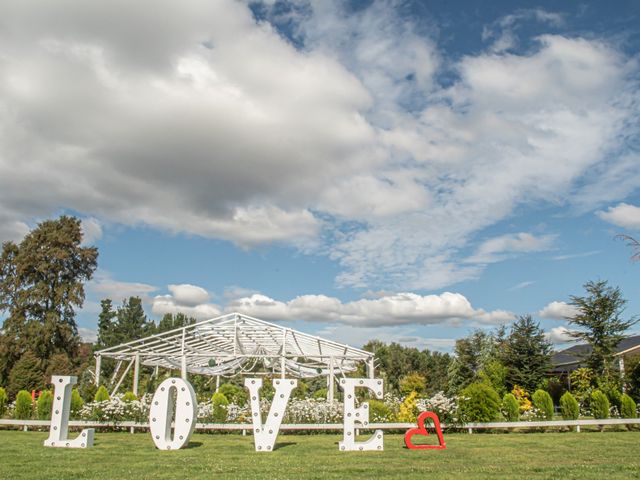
(26, 374)
(526, 354)
(131, 322)
(41, 285)
(170, 321)
(106, 325)
(472, 354)
(599, 317)
(633, 244)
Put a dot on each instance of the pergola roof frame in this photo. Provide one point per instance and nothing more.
(233, 340)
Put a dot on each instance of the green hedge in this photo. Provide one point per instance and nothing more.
(510, 408)
(3, 401)
(24, 406)
(544, 404)
(628, 407)
(569, 407)
(102, 394)
(44, 404)
(599, 405)
(479, 402)
(219, 404)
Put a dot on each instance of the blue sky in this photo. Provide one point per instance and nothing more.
(406, 171)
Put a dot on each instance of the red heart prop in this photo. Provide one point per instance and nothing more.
(422, 430)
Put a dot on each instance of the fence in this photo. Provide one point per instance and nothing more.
(245, 427)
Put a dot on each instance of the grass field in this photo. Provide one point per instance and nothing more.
(532, 455)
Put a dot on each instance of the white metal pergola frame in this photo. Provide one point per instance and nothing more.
(232, 344)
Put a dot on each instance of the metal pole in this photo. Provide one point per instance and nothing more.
(136, 374)
(331, 379)
(621, 364)
(184, 367)
(98, 367)
(371, 368)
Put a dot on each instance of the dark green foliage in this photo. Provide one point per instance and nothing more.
(234, 393)
(413, 382)
(59, 364)
(170, 321)
(76, 402)
(44, 404)
(494, 373)
(26, 374)
(632, 378)
(219, 404)
(320, 394)
(510, 408)
(526, 354)
(395, 361)
(628, 408)
(24, 406)
(106, 325)
(471, 355)
(102, 394)
(542, 401)
(131, 322)
(599, 405)
(600, 324)
(569, 407)
(41, 285)
(380, 411)
(4, 399)
(479, 403)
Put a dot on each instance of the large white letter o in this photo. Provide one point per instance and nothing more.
(161, 413)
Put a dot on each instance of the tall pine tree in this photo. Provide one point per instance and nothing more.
(527, 354)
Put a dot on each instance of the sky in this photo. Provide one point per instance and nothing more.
(405, 171)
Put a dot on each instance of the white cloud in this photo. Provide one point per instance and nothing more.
(396, 309)
(186, 294)
(104, 286)
(196, 118)
(522, 285)
(188, 299)
(570, 256)
(88, 335)
(498, 248)
(558, 311)
(91, 230)
(622, 215)
(559, 335)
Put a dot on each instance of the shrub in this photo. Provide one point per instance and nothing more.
(413, 382)
(599, 405)
(523, 398)
(233, 393)
(129, 397)
(44, 404)
(380, 411)
(544, 404)
(627, 407)
(479, 403)
(320, 394)
(510, 408)
(444, 407)
(219, 406)
(3, 401)
(76, 402)
(101, 395)
(409, 408)
(569, 407)
(24, 407)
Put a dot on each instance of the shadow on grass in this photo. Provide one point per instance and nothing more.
(194, 445)
(280, 445)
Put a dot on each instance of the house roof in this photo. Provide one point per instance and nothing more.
(570, 358)
(236, 343)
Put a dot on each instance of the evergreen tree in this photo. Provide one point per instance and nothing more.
(599, 317)
(131, 322)
(472, 353)
(26, 374)
(41, 285)
(527, 354)
(170, 321)
(106, 325)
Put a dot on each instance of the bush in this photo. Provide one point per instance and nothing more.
(544, 404)
(321, 394)
(129, 397)
(409, 408)
(219, 407)
(510, 408)
(101, 395)
(569, 407)
(413, 382)
(599, 405)
(479, 403)
(3, 401)
(44, 404)
(380, 411)
(233, 393)
(76, 402)
(24, 407)
(628, 407)
(522, 396)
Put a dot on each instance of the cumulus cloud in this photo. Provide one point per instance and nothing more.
(622, 215)
(559, 335)
(195, 117)
(190, 300)
(104, 286)
(396, 309)
(558, 311)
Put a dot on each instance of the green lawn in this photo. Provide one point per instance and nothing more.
(212, 456)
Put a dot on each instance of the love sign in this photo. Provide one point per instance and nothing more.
(173, 415)
(422, 430)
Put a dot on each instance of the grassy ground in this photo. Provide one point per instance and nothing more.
(124, 456)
